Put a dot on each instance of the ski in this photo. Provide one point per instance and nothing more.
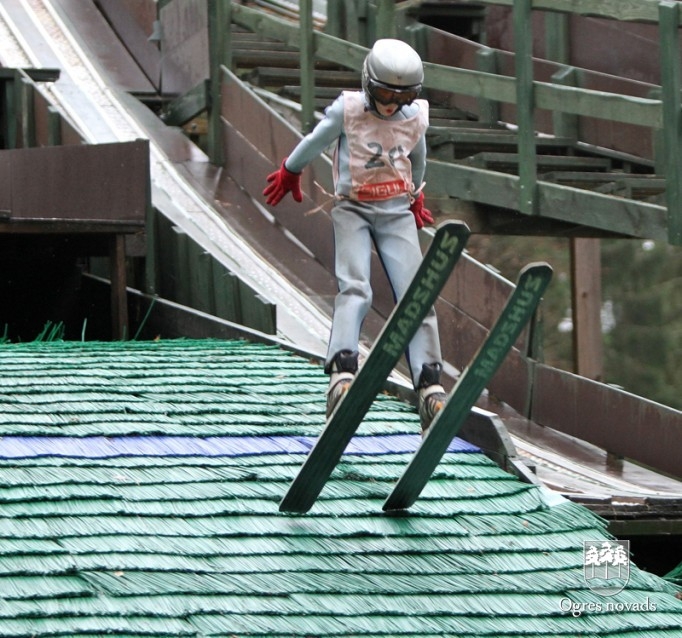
(532, 282)
(440, 258)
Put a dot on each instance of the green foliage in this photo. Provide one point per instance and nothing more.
(642, 280)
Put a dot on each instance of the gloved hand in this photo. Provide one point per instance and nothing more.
(282, 182)
(421, 215)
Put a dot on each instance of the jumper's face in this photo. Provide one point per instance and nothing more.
(386, 110)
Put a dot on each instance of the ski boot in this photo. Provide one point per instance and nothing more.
(431, 394)
(342, 370)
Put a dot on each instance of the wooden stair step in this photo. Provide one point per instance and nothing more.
(275, 76)
(633, 186)
(251, 58)
(509, 162)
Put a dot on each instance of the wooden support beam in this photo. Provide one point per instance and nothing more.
(200, 278)
(119, 304)
(352, 21)
(218, 27)
(181, 266)
(385, 19)
(565, 124)
(525, 104)
(226, 293)
(672, 116)
(557, 37)
(54, 126)
(307, 66)
(24, 94)
(588, 347)
(334, 19)
(488, 110)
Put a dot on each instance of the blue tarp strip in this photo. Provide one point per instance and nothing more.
(18, 447)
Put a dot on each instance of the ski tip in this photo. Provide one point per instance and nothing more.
(455, 227)
(535, 276)
(452, 223)
(537, 268)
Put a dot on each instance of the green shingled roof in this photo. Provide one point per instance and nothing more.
(139, 490)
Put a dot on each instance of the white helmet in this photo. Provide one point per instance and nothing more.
(392, 73)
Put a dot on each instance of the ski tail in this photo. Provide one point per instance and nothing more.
(520, 307)
(440, 258)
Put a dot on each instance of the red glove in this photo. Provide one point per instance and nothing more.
(282, 182)
(421, 215)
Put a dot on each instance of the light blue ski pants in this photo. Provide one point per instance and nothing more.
(357, 227)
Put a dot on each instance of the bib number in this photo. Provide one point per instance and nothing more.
(376, 160)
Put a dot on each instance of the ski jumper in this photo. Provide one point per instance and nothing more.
(377, 162)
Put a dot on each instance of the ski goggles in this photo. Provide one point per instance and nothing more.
(387, 94)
